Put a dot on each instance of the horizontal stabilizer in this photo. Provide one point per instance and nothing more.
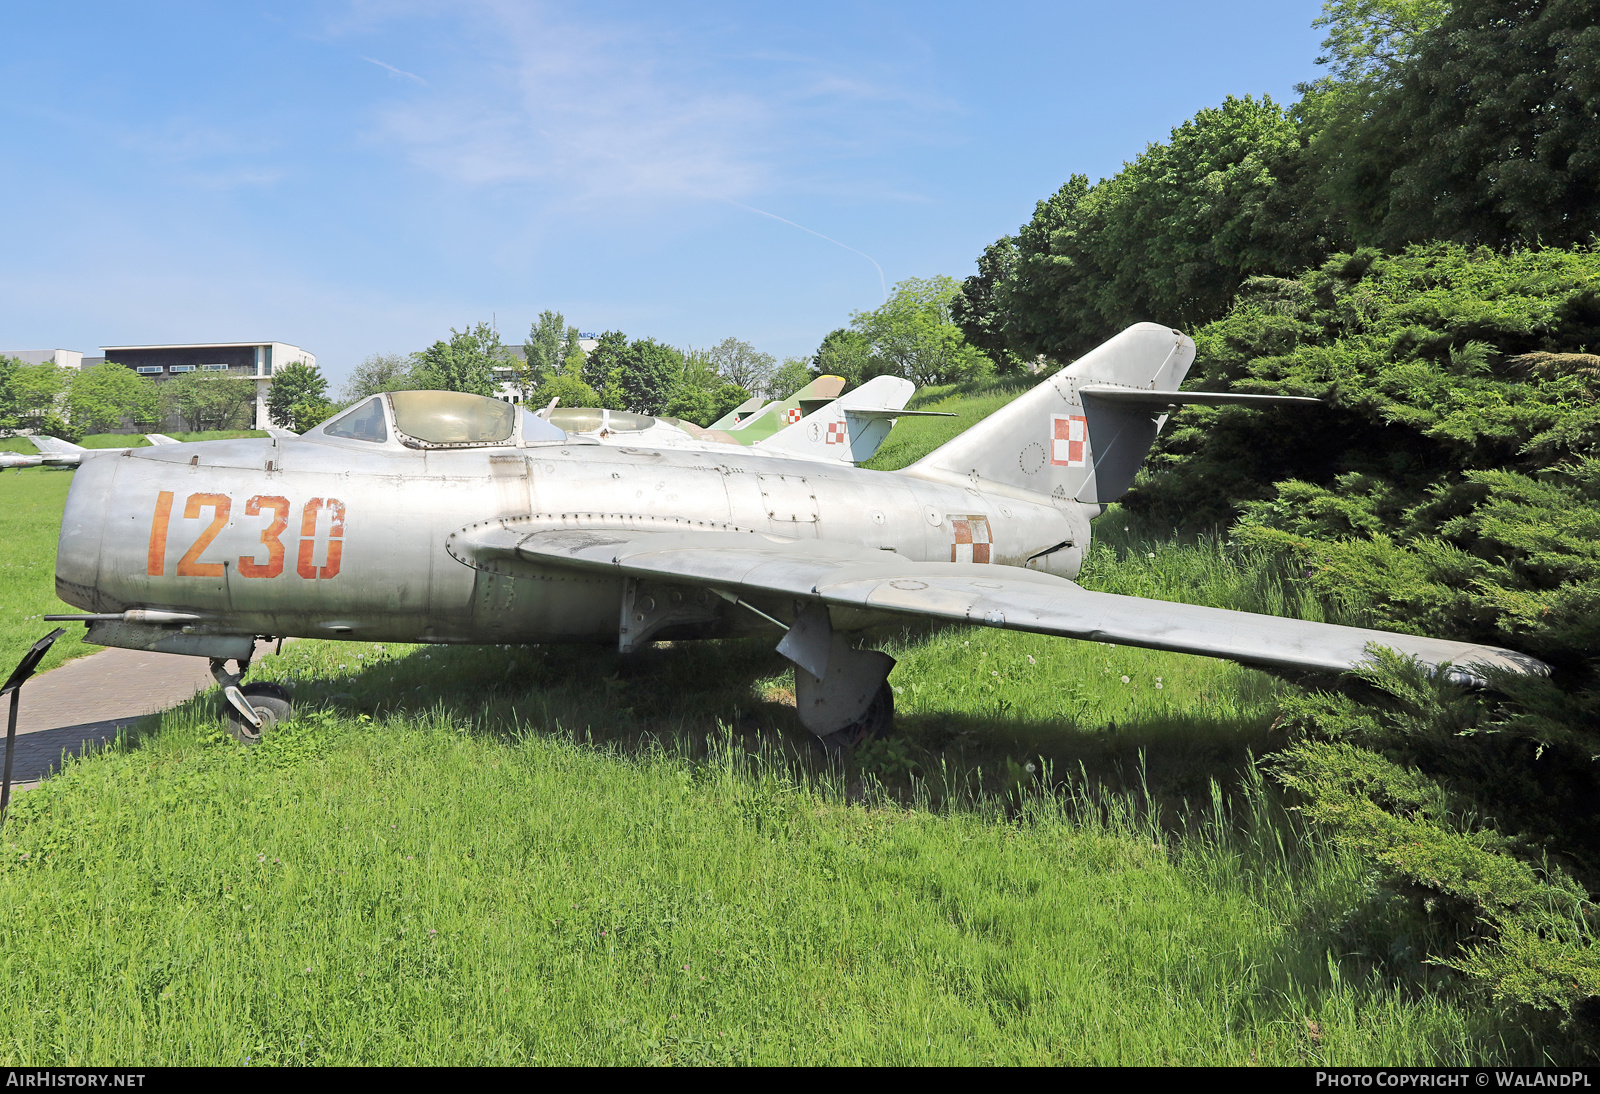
(1146, 397)
(868, 413)
(778, 572)
(55, 446)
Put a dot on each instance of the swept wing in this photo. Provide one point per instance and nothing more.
(870, 588)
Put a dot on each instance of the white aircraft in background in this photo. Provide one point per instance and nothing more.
(847, 428)
(54, 452)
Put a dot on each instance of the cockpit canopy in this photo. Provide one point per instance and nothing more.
(592, 419)
(440, 419)
(452, 417)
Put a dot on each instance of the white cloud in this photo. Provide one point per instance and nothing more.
(599, 114)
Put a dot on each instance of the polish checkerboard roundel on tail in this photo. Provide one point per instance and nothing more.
(849, 429)
(1065, 439)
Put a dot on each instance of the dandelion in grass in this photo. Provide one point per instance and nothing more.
(1125, 680)
(1031, 661)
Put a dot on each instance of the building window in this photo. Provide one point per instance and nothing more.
(148, 370)
(181, 368)
(215, 368)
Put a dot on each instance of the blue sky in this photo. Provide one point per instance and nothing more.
(360, 177)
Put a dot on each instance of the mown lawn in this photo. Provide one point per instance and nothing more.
(557, 854)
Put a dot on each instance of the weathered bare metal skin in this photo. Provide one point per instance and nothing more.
(399, 579)
(540, 540)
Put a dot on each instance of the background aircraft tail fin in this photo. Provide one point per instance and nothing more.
(848, 429)
(775, 416)
(739, 413)
(1073, 444)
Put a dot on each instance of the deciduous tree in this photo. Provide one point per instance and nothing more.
(742, 364)
(788, 378)
(298, 396)
(845, 353)
(603, 361)
(551, 344)
(37, 395)
(99, 398)
(702, 395)
(465, 363)
(378, 372)
(1487, 132)
(209, 400)
(913, 336)
(647, 375)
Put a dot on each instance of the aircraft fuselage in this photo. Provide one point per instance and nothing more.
(293, 537)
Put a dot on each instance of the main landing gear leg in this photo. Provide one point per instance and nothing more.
(253, 709)
(842, 693)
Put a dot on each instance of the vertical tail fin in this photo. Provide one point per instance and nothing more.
(1067, 443)
(775, 416)
(739, 413)
(837, 432)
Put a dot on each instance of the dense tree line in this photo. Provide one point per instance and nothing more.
(1476, 122)
(1412, 241)
(911, 335)
(109, 397)
(640, 375)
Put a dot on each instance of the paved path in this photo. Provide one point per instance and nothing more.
(87, 700)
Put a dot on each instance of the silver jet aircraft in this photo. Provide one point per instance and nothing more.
(430, 516)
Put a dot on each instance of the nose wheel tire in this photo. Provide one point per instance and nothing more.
(874, 725)
(271, 705)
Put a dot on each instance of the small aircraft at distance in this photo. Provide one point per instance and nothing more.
(432, 516)
(58, 453)
(845, 428)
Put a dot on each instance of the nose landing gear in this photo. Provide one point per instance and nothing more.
(250, 711)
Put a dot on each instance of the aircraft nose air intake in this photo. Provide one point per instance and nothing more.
(83, 528)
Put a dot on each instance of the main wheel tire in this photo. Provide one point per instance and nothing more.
(270, 703)
(874, 725)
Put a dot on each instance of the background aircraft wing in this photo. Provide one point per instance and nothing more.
(54, 446)
(873, 586)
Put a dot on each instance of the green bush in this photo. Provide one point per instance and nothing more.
(1450, 485)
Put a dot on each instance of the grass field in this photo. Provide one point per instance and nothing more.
(30, 520)
(132, 440)
(557, 854)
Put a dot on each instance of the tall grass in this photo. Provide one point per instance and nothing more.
(416, 889)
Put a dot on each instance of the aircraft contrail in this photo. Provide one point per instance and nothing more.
(396, 71)
(882, 284)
